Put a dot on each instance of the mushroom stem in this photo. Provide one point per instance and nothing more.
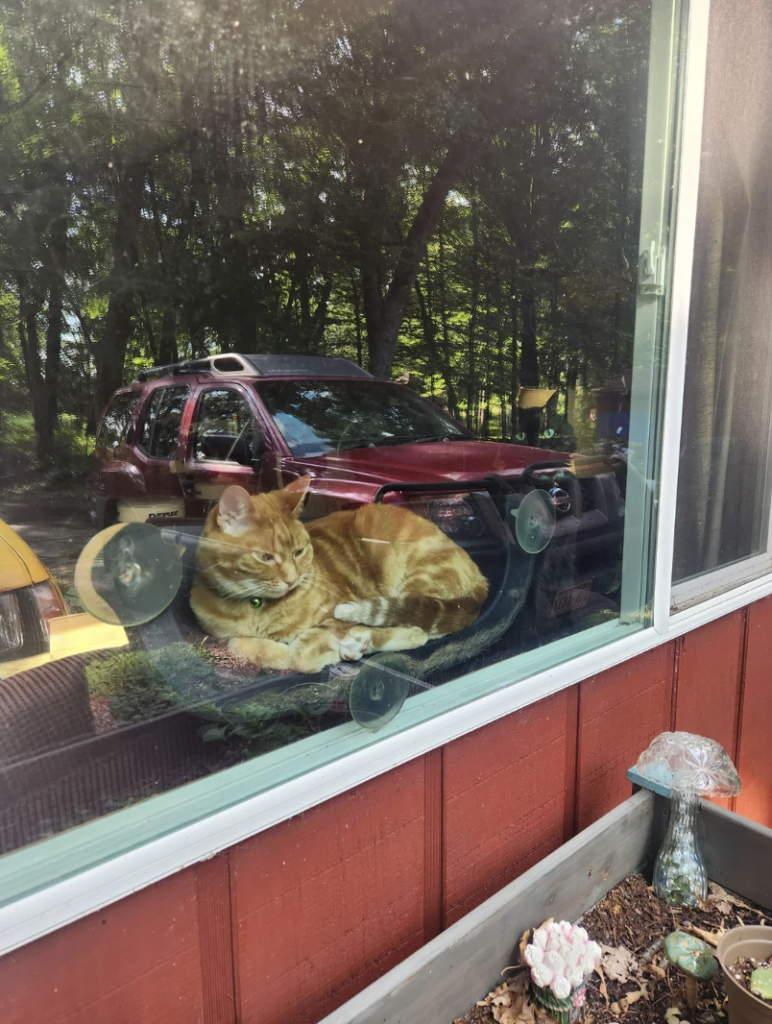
(690, 991)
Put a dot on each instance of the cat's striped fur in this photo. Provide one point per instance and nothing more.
(375, 578)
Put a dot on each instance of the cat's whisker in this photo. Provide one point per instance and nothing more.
(333, 591)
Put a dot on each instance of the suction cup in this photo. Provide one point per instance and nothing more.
(378, 692)
(535, 522)
(128, 574)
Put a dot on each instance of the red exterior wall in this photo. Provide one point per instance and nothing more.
(293, 922)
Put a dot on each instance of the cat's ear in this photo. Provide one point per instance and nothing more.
(294, 495)
(235, 514)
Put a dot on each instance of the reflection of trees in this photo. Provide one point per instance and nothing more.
(446, 186)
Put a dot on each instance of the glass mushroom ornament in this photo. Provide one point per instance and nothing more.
(690, 766)
(561, 957)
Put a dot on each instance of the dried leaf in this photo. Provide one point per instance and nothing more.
(710, 937)
(513, 1016)
(602, 987)
(718, 893)
(633, 997)
(673, 1015)
(527, 1015)
(618, 962)
(616, 1009)
(656, 970)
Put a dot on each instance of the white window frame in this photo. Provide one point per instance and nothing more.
(321, 772)
(728, 587)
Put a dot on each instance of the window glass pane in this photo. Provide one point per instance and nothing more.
(116, 420)
(225, 428)
(724, 482)
(161, 422)
(321, 416)
(436, 478)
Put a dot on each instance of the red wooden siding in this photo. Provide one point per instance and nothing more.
(709, 682)
(709, 676)
(293, 922)
(505, 798)
(136, 961)
(326, 902)
(754, 758)
(620, 712)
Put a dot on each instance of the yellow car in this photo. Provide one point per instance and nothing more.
(35, 623)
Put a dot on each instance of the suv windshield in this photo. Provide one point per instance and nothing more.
(318, 416)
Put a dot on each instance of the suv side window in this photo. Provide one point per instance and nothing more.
(224, 428)
(161, 421)
(116, 420)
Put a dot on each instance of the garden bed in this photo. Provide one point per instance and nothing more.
(438, 983)
(637, 984)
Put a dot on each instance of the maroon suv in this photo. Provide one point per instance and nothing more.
(169, 444)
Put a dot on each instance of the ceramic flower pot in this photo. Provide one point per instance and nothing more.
(747, 941)
(565, 1011)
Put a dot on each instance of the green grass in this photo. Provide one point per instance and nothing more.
(68, 461)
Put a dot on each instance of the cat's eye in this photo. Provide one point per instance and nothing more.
(299, 552)
(266, 558)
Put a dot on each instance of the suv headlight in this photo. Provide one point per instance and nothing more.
(49, 604)
(11, 636)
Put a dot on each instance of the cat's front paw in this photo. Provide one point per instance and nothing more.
(356, 643)
(265, 653)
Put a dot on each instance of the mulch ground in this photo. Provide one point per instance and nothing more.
(636, 984)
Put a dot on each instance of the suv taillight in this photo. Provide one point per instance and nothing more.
(49, 603)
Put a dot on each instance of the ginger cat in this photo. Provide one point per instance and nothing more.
(301, 596)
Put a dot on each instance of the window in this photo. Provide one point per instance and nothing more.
(161, 422)
(473, 205)
(116, 421)
(722, 534)
(225, 428)
(320, 416)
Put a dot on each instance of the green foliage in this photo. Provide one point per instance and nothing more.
(274, 717)
(143, 684)
(282, 162)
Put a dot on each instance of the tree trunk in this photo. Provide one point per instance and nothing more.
(357, 321)
(446, 350)
(30, 347)
(111, 353)
(56, 271)
(383, 339)
(167, 350)
(529, 356)
(431, 342)
(471, 384)
(319, 319)
(529, 361)
(514, 382)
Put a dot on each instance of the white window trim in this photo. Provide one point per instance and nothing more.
(708, 585)
(72, 898)
(683, 261)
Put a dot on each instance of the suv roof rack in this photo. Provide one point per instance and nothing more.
(229, 363)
